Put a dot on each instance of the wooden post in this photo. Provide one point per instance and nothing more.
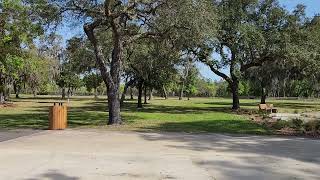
(58, 116)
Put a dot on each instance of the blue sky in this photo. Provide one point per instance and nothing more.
(313, 7)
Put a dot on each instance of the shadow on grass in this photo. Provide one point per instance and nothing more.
(131, 106)
(94, 113)
(212, 126)
(38, 119)
(23, 121)
(284, 105)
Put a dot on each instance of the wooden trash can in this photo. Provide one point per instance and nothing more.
(58, 116)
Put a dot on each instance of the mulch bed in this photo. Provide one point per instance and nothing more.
(269, 122)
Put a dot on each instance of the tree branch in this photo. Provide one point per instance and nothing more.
(216, 71)
(245, 67)
(105, 72)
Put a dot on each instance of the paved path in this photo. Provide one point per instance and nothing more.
(12, 134)
(97, 154)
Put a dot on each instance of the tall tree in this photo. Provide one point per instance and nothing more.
(191, 81)
(127, 21)
(250, 33)
(292, 59)
(20, 23)
(150, 63)
(92, 81)
(184, 74)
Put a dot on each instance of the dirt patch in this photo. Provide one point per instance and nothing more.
(248, 112)
(8, 105)
(288, 132)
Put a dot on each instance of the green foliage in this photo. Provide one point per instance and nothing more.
(312, 126)
(192, 22)
(80, 55)
(295, 50)
(280, 124)
(205, 87)
(297, 123)
(153, 62)
(68, 78)
(37, 72)
(92, 81)
(223, 89)
(20, 24)
(13, 65)
(244, 88)
(191, 81)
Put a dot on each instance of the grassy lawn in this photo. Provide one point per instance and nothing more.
(196, 115)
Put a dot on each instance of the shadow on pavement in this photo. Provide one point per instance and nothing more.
(6, 135)
(54, 175)
(249, 157)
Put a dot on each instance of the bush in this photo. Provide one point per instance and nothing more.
(312, 126)
(297, 123)
(281, 124)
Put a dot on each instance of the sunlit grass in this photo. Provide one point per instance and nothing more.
(197, 115)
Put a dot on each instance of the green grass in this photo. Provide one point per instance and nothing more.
(197, 115)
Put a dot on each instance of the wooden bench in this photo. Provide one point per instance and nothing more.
(268, 108)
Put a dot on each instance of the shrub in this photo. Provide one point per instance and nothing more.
(312, 126)
(281, 124)
(297, 123)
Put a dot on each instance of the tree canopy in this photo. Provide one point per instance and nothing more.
(148, 47)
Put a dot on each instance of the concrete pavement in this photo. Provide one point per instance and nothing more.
(12, 134)
(99, 154)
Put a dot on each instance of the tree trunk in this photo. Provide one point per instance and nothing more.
(1, 91)
(284, 87)
(145, 95)
(63, 93)
(111, 74)
(95, 93)
(140, 89)
(7, 94)
(123, 96)
(16, 89)
(69, 92)
(131, 93)
(150, 94)
(263, 99)
(114, 106)
(186, 74)
(235, 95)
(263, 94)
(164, 92)
(1, 97)
(181, 91)
(114, 90)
